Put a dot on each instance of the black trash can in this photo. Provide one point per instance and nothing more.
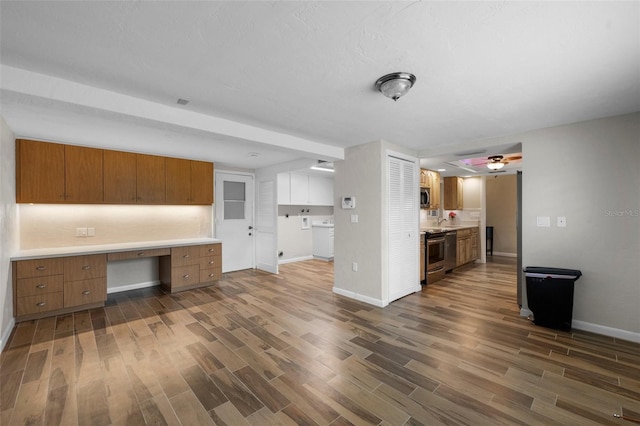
(550, 295)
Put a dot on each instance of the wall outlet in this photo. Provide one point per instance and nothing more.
(562, 222)
(81, 232)
(354, 267)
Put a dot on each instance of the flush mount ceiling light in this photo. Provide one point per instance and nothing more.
(395, 85)
(495, 162)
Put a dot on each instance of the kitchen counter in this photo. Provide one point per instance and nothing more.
(108, 248)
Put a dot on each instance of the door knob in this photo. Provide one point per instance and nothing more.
(250, 227)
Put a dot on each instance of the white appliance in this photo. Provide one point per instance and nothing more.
(322, 235)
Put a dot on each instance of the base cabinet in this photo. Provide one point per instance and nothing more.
(58, 285)
(51, 286)
(466, 246)
(191, 266)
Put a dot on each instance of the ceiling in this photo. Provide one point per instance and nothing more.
(292, 80)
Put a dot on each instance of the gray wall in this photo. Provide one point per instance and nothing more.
(8, 227)
(588, 172)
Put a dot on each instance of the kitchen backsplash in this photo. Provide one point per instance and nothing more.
(463, 217)
(54, 225)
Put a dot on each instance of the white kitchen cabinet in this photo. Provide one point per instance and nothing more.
(299, 189)
(322, 241)
(304, 190)
(320, 191)
(284, 188)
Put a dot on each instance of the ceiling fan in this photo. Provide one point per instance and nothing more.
(496, 162)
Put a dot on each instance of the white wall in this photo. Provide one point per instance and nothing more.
(8, 228)
(362, 174)
(294, 242)
(588, 172)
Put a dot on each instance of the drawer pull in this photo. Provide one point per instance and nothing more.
(185, 256)
(140, 254)
(211, 262)
(41, 286)
(86, 292)
(41, 304)
(185, 276)
(41, 268)
(211, 250)
(211, 275)
(86, 267)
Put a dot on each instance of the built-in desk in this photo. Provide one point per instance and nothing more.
(55, 281)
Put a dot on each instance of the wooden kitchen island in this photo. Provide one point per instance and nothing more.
(48, 282)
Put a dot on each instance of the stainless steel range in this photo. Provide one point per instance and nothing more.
(435, 255)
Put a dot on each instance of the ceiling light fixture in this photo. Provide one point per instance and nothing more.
(395, 85)
(495, 162)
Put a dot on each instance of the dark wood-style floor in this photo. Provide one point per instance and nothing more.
(263, 349)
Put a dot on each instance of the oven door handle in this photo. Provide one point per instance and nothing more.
(435, 241)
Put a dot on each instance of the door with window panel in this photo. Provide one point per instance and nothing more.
(234, 220)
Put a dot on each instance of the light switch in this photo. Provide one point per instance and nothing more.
(543, 221)
(91, 232)
(81, 232)
(354, 218)
(562, 222)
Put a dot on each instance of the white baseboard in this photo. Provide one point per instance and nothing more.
(499, 253)
(135, 286)
(6, 333)
(606, 331)
(294, 259)
(366, 299)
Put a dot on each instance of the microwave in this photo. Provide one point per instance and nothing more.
(425, 198)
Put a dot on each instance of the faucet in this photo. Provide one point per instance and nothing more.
(439, 220)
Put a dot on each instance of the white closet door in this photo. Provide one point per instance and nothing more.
(403, 219)
(266, 226)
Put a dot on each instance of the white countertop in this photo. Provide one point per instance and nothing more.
(108, 248)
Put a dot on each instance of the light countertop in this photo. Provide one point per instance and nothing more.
(108, 248)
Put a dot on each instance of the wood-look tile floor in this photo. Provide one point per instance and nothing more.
(263, 349)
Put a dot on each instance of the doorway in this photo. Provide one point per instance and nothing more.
(234, 220)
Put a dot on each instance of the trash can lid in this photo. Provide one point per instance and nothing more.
(545, 272)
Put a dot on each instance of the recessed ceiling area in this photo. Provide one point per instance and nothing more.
(294, 80)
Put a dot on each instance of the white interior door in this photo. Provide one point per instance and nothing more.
(404, 250)
(234, 220)
(266, 224)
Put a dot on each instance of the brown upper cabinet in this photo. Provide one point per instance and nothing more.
(150, 173)
(120, 177)
(189, 182)
(430, 179)
(453, 193)
(56, 173)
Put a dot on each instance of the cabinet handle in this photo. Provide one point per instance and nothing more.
(211, 262)
(211, 275)
(41, 286)
(86, 292)
(41, 304)
(185, 276)
(86, 267)
(41, 268)
(185, 256)
(140, 254)
(211, 250)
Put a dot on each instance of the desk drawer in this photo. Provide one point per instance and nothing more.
(185, 276)
(38, 267)
(78, 293)
(138, 254)
(78, 268)
(39, 286)
(182, 256)
(211, 274)
(210, 262)
(209, 250)
(39, 303)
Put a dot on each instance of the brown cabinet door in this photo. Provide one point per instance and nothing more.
(187, 255)
(83, 174)
(184, 276)
(201, 182)
(39, 172)
(178, 181)
(29, 305)
(119, 177)
(150, 179)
